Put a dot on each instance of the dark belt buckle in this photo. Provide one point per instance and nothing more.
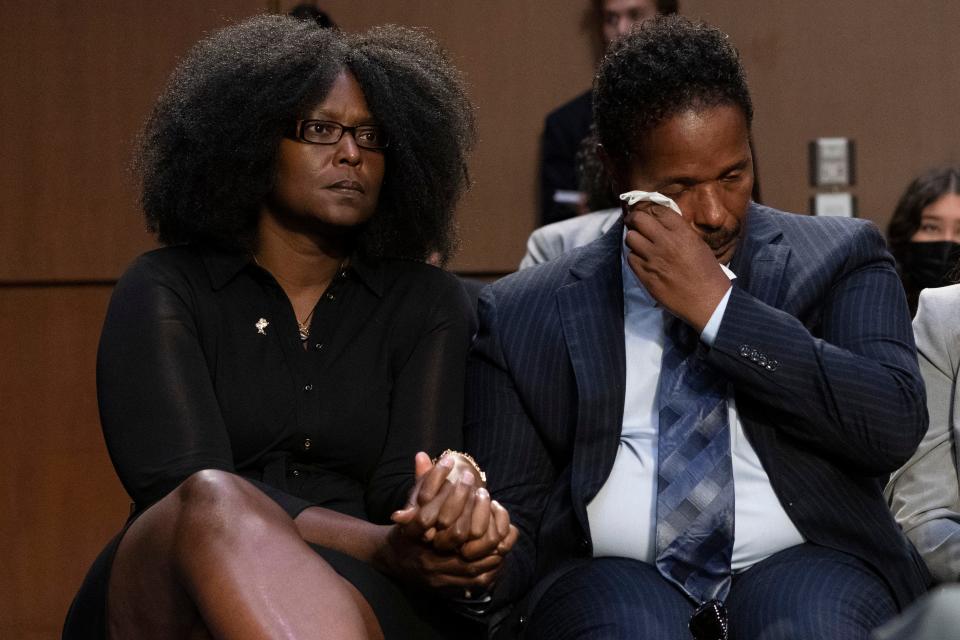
(709, 621)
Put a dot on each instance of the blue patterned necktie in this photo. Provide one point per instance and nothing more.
(694, 471)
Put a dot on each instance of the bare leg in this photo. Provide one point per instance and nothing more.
(216, 558)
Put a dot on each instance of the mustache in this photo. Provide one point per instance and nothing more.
(720, 238)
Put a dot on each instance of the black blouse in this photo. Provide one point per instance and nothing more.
(201, 367)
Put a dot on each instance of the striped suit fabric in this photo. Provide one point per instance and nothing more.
(816, 341)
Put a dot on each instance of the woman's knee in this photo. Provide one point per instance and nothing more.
(213, 498)
(211, 488)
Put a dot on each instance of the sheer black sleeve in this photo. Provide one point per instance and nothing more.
(160, 415)
(426, 404)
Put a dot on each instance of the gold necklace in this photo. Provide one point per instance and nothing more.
(303, 328)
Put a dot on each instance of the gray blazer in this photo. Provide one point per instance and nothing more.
(924, 494)
(548, 242)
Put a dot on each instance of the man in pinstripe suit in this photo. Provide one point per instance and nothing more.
(812, 338)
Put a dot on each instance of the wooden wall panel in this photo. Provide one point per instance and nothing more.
(61, 501)
(78, 79)
(882, 73)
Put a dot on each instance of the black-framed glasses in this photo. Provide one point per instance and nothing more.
(367, 136)
(709, 622)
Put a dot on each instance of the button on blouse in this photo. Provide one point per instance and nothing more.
(201, 366)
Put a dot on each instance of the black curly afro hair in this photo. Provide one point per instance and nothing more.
(208, 151)
(664, 67)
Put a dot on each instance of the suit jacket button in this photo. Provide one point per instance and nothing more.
(585, 547)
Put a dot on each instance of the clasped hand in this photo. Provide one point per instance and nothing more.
(451, 533)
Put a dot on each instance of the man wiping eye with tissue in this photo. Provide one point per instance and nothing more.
(685, 454)
(631, 198)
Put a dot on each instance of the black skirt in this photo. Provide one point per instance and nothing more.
(401, 611)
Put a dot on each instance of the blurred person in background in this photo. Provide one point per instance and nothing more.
(924, 232)
(569, 124)
(308, 11)
(598, 212)
(924, 494)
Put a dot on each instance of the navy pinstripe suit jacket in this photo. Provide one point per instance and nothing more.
(843, 407)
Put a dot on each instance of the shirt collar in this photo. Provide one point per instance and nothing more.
(223, 266)
(368, 271)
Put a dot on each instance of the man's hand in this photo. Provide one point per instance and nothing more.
(674, 263)
(419, 563)
(496, 537)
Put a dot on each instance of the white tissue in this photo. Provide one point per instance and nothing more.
(633, 197)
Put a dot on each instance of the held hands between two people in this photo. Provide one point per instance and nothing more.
(451, 533)
(674, 263)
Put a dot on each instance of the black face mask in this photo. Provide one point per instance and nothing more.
(929, 264)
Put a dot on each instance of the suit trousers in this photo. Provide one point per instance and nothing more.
(806, 592)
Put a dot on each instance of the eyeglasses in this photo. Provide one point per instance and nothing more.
(709, 621)
(367, 136)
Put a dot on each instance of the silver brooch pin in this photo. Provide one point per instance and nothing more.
(261, 326)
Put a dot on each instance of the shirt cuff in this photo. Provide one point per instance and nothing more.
(709, 333)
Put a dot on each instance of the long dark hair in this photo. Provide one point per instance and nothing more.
(923, 191)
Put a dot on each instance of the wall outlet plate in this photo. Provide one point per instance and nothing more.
(841, 204)
(832, 162)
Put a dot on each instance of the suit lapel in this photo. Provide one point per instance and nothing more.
(760, 263)
(761, 258)
(591, 313)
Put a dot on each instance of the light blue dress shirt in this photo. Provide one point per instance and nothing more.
(622, 515)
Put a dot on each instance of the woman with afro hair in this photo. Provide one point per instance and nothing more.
(274, 381)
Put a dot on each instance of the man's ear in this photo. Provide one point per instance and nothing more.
(613, 170)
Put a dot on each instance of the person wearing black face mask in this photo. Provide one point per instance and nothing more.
(928, 263)
(924, 233)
